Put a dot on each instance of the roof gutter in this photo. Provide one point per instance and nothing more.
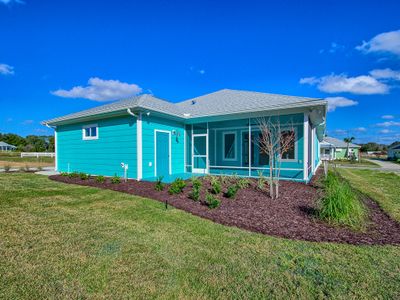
(131, 113)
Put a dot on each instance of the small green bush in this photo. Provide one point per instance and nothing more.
(65, 174)
(232, 191)
(100, 179)
(243, 183)
(115, 179)
(261, 180)
(340, 203)
(159, 186)
(177, 186)
(212, 201)
(195, 193)
(83, 176)
(73, 175)
(26, 168)
(39, 168)
(7, 168)
(215, 185)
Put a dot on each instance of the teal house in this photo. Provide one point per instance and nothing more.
(215, 133)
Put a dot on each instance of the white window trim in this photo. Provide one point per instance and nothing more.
(169, 149)
(295, 159)
(234, 143)
(84, 137)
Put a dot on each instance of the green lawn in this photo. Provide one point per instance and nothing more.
(65, 241)
(361, 163)
(382, 186)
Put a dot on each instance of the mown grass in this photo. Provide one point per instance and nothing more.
(355, 163)
(383, 187)
(340, 204)
(66, 241)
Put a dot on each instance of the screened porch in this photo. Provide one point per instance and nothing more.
(231, 147)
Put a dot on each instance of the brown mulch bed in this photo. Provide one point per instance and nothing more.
(291, 216)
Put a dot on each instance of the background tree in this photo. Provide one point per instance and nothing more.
(275, 142)
(348, 141)
(31, 143)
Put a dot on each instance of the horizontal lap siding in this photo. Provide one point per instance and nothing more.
(149, 125)
(103, 156)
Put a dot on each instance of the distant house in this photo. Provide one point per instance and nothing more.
(332, 148)
(215, 133)
(6, 147)
(394, 152)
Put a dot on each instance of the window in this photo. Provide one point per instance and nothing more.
(229, 146)
(263, 158)
(90, 132)
(290, 154)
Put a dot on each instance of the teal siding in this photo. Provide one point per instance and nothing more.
(103, 156)
(149, 125)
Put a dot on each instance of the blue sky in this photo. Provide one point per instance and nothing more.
(58, 57)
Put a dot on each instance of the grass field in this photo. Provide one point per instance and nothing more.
(66, 241)
(361, 163)
(381, 186)
(13, 159)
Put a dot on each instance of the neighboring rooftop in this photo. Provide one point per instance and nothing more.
(4, 144)
(218, 103)
(338, 143)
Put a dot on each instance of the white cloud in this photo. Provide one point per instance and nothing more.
(388, 124)
(7, 2)
(6, 69)
(360, 129)
(385, 131)
(387, 117)
(340, 132)
(387, 42)
(101, 90)
(202, 72)
(387, 73)
(333, 49)
(27, 122)
(335, 102)
(363, 84)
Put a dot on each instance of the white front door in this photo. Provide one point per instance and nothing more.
(200, 153)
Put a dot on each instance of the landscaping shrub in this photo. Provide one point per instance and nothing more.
(215, 185)
(115, 179)
(7, 168)
(340, 203)
(212, 201)
(100, 179)
(26, 168)
(83, 176)
(177, 186)
(65, 174)
(39, 168)
(261, 180)
(243, 183)
(195, 193)
(73, 175)
(232, 191)
(159, 186)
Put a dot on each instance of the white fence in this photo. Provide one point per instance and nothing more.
(38, 154)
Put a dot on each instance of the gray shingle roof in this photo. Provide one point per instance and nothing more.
(338, 143)
(4, 144)
(144, 101)
(218, 103)
(235, 101)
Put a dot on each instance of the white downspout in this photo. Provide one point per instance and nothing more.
(139, 149)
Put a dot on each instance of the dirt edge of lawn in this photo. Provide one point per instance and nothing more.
(291, 216)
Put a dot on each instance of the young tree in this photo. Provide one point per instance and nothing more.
(275, 142)
(348, 141)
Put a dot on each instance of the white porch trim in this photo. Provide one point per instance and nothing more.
(139, 147)
(305, 147)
